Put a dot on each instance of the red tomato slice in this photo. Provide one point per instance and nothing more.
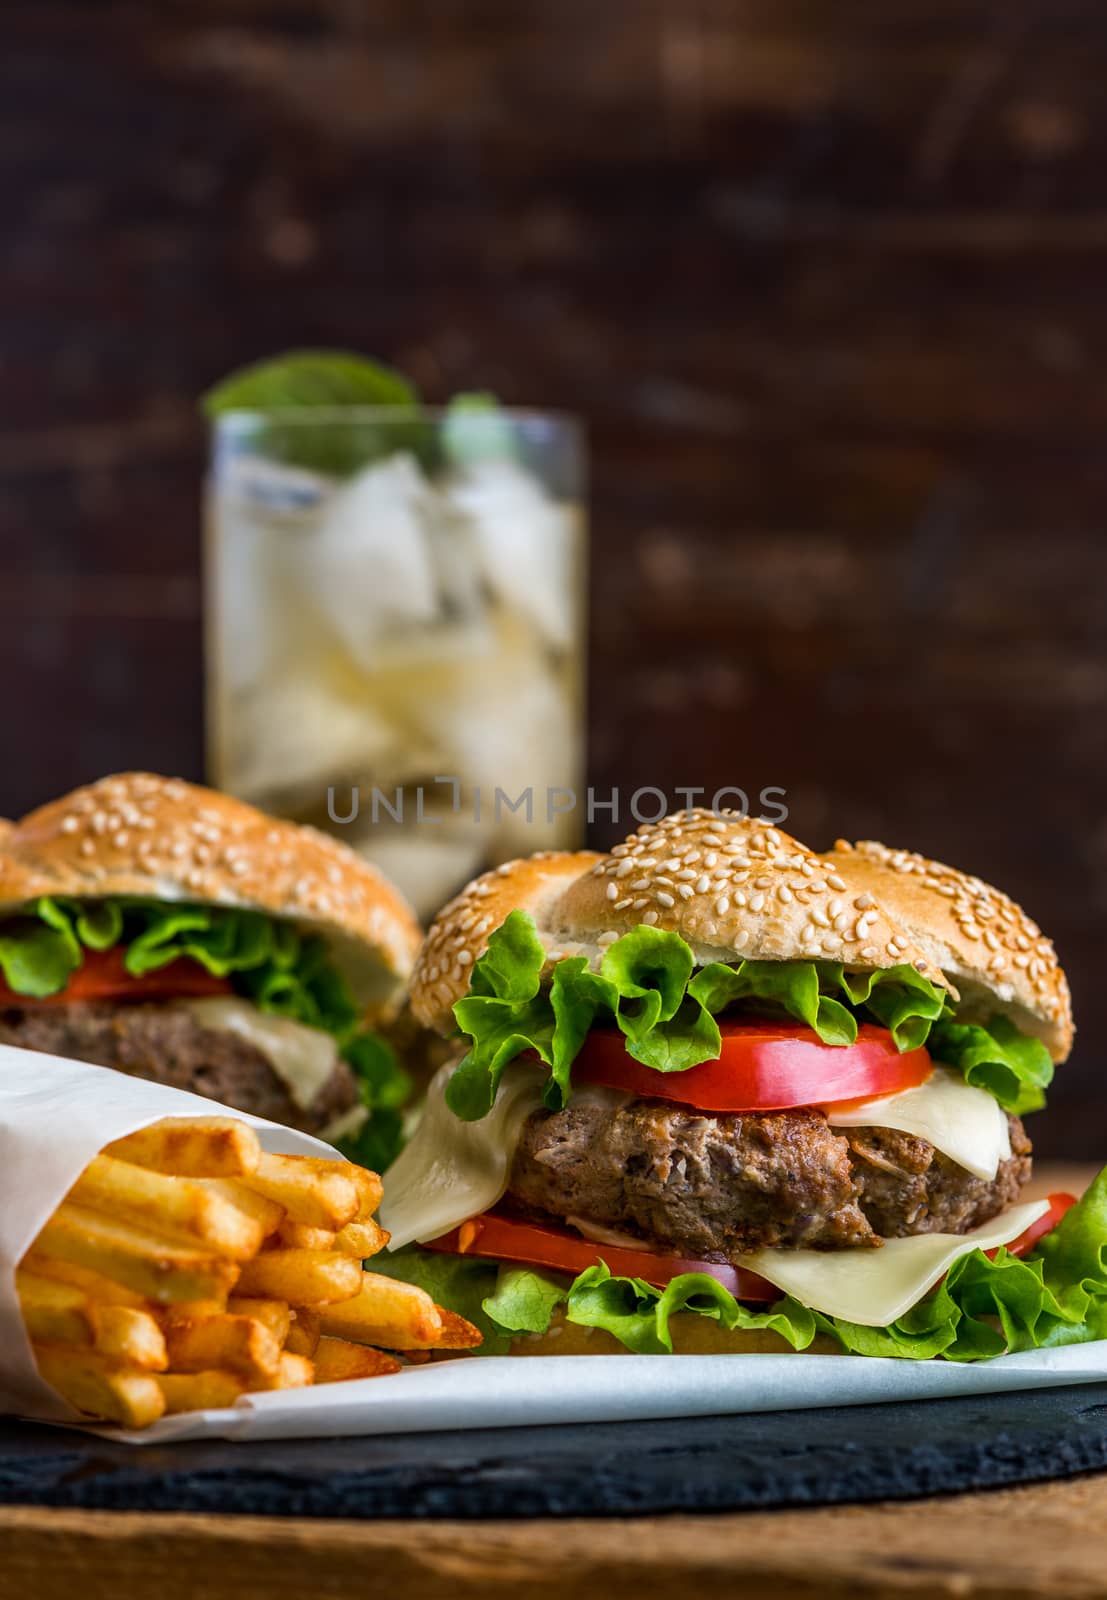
(1058, 1205)
(762, 1066)
(102, 976)
(532, 1245)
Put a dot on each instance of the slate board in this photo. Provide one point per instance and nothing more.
(790, 1458)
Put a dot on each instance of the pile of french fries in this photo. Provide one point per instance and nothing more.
(187, 1266)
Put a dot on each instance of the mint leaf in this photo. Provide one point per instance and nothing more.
(476, 429)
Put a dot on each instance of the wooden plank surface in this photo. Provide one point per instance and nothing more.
(1041, 1543)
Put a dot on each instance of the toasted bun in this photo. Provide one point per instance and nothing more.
(163, 839)
(692, 1335)
(734, 888)
(997, 957)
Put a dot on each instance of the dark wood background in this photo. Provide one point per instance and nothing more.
(828, 282)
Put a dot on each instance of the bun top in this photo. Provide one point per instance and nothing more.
(739, 888)
(163, 839)
(733, 887)
(998, 958)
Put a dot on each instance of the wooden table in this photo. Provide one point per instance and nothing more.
(1043, 1540)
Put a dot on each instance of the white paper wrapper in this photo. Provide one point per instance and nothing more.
(55, 1115)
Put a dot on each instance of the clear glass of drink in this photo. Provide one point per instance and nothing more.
(395, 630)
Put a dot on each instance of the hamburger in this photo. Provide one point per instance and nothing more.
(176, 934)
(717, 1091)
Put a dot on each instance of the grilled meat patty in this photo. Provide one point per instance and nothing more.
(167, 1044)
(718, 1185)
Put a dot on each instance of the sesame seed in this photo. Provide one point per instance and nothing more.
(835, 882)
(650, 918)
(612, 892)
(869, 952)
(665, 900)
(785, 895)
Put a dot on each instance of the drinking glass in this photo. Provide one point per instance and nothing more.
(395, 631)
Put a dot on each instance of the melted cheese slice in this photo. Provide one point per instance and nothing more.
(452, 1170)
(874, 1287)
(303, 1058)
(968, 1125)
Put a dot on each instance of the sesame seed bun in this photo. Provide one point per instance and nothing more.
(734, 888)
(997, 957)
(163, 839)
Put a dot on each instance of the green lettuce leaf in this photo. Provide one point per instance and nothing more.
(1010, 1065)
(647, 986)
(982, 1308)
(384, 1087)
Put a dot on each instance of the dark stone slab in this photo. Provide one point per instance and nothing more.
(834, 1456)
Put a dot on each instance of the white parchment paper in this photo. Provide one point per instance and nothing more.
(55, 1115)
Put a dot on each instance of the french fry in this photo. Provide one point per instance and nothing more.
(192, 1147)
(385, 1312)
(60, 1313)
(336, 1360)
(103, 1290)
(200, 1391)
(54, 1313)
(362, 1239)
(298, 1236)
(130, 1337)
(302, 1277)
(97, 1386)
(304, 1333)
(185, 1312)
(142, 1261)
(265, 1212)
(294, 1372)
(317, 1193)
(226, 1343)
(276, 1315)
(184, 1208)
(369, 1187)
(457, 1334)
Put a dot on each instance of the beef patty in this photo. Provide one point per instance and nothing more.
(720, 1185)
(167, 1044)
